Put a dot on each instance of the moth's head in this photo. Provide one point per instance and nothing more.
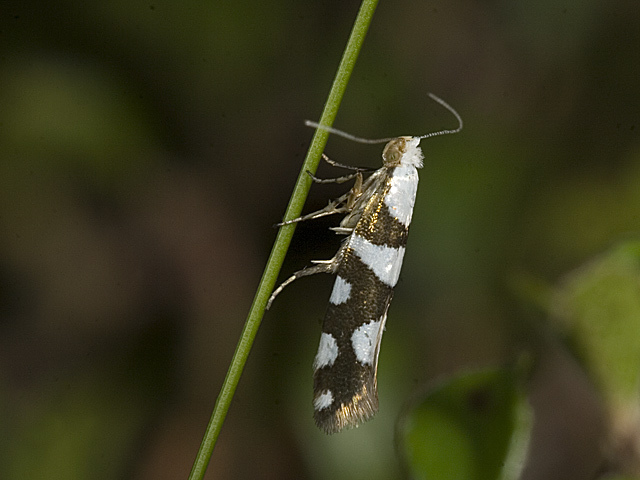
(403, 151)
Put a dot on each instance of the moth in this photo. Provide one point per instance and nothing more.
(378, 211)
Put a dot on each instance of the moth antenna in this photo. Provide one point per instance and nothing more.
(349, 136)
(346, 135)
(452, 110)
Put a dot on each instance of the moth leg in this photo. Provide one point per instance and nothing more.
(335, 206)
(342, 204)
(342, 230)
(355, 192)
(341, 179)
(321, 266)
(349, 222)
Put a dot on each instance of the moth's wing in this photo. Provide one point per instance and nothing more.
(345, 392)
(345, 378)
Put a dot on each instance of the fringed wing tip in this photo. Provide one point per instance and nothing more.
(362, 407)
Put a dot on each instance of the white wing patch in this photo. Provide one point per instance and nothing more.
(385, 262)
(327, 351)
(402, 195)
(324, 400)
(341, 291)
(364, 341)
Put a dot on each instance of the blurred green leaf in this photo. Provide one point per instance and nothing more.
(600, 303)
(60, 116)
(474, 426)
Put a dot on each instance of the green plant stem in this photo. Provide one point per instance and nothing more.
(283, 240)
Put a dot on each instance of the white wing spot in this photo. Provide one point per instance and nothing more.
(341, 291)
(364, 341)
(324, 400)
(327, 351)
(402, 195)
(385, 262)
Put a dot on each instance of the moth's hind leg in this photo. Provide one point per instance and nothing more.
(321, 266)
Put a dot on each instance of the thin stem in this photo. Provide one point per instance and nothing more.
(283, 240)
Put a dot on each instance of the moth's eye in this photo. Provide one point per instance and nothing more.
(393, 151)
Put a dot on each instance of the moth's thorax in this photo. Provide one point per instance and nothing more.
(403, 151)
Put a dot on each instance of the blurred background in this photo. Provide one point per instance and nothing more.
(147, 148)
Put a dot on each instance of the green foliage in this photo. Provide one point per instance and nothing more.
(600, 306)
(467, 428)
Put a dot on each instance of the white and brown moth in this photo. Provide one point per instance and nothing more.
(367, 266)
